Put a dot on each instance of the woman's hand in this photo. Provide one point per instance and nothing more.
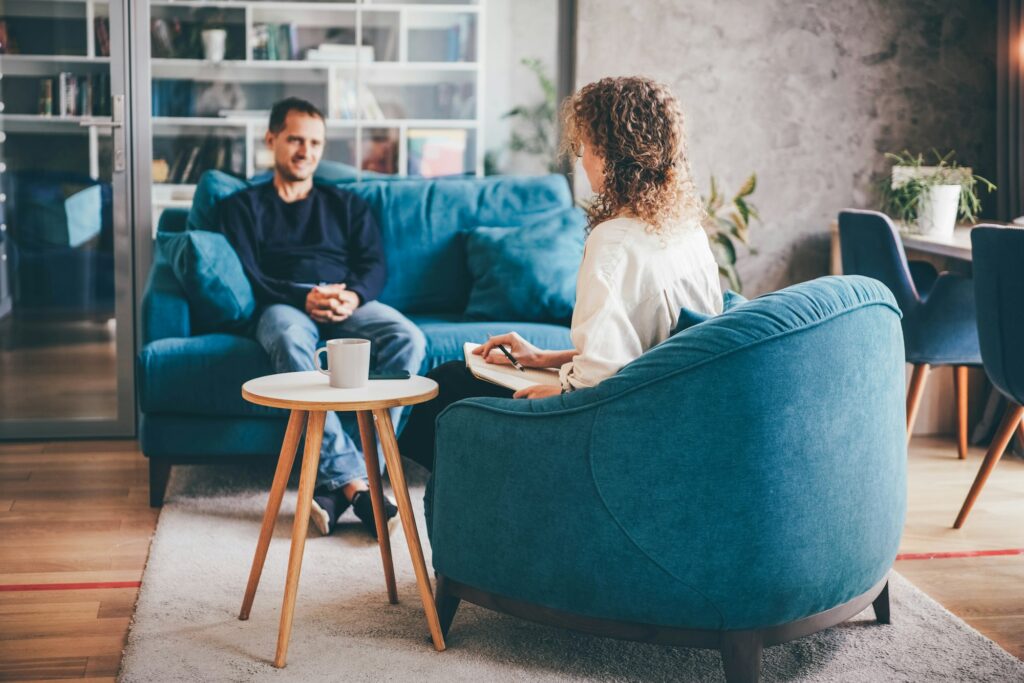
(527, 354)
(537, 391)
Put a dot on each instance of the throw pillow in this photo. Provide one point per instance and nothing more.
(688, 318)
(524, 273)
(212, 187)
(219, 295)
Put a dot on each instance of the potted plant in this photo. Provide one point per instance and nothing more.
(725, 222)
(927, 198)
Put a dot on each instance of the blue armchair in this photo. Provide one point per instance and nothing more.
(739, 485)
(939, 322)
(999, 277)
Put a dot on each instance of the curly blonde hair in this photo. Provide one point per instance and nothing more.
(636, 125)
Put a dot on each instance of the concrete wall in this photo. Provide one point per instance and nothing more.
(808, 95)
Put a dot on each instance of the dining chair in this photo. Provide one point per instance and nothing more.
(998, 255)
(939, 321)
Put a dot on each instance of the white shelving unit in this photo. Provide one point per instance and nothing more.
(403, 68)
(408, 62)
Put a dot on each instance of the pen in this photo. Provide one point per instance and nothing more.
(511, 358)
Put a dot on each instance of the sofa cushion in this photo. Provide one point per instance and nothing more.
(447, 333)
(220, 296)
(201, 375)
(525, 273)
(212, 187)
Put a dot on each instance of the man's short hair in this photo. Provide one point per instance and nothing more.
(280, 110)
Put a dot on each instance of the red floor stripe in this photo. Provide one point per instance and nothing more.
(961, 553)
(68, 586)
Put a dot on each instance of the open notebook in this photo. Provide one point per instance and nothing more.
(506, 375)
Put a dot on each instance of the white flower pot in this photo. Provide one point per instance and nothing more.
(937, 209)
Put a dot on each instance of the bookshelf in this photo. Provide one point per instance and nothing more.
(401, 84)
(60, 49)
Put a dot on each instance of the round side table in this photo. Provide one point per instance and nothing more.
(309, 396)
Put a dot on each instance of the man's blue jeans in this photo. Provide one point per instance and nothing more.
(290, 337)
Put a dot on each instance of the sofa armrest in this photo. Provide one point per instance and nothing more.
(165, 311)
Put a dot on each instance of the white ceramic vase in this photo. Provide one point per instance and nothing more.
(937, 209)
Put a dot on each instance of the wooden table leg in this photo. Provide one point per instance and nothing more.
(296, 421)
(394, 464)
(307, 479)
(377, 497)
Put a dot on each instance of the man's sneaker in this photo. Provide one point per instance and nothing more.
(326, 508)
(362, 505)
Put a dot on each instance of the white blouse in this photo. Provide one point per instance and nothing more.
(629, 290)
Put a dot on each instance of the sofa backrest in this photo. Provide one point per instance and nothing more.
(423, 225)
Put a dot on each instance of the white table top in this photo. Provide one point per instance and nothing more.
(958, 246)
(311, 390)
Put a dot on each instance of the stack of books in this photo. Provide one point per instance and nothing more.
(68, 94)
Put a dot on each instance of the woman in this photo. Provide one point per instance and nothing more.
(646, 255)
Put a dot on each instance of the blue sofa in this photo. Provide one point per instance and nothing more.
(189, 378)
(739, 485)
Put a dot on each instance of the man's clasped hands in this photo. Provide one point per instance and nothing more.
(331, 303)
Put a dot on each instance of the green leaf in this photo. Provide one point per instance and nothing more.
(748, 187)
(730, 274)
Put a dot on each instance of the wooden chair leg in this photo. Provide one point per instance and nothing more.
(960, 383)
(159, 474)
(741, 656)
(386, 432)
(1006, 430)
(296, 422)
(365, 419)
(914, 392)
(446, 603)
(881, 605)
(307, 480)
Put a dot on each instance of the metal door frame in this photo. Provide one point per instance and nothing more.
(125, 69)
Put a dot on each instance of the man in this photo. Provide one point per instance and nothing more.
(314, 258)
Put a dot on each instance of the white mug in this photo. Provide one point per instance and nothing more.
(348, 362)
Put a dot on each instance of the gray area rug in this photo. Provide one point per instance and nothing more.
(186, 627)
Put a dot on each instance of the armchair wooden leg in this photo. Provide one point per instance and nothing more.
(960, 383)
(741, 656)
(1006, 430)
(914, 392)
(881, 605)
(159, 474)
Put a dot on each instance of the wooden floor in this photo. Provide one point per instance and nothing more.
(76, 513)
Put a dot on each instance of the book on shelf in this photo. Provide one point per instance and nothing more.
(275, 42)
(101, 26)
(356, 103)
(191, 156)
(437, 152)
(455, 43)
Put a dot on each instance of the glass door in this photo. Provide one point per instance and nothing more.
(66, 307)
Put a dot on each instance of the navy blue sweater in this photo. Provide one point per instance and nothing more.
(328, 237)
